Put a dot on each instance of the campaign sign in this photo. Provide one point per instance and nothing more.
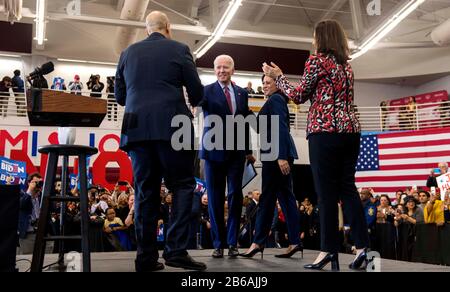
(12, 172)
(444, 183)
(74, 180)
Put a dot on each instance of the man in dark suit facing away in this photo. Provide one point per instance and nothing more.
(224, 167)
(149, 82)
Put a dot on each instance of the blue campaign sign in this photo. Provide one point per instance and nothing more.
(12, 172)
(73, 180)
(200, 187)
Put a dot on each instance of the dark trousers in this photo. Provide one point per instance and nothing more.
(218, 175)
(153, 161)
(276, 185)
(333, 160)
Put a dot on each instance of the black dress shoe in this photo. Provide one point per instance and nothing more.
(217, 253)
(252, 253)
(185, 262)
(233, 251)
(297, 248)
(149, 268)
(360, 263)
(332, 258)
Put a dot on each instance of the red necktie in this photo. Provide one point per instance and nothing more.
(228, 96)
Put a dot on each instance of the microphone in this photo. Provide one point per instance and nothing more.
(43, 70)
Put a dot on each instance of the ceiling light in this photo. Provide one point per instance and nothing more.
(220, 28)
(387, 27)
(40, 21)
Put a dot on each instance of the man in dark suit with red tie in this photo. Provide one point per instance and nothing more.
(224, 167)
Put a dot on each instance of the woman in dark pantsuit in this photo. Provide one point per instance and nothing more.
(334, 137)
(276, 174)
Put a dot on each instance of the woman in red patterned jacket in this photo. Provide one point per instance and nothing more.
(334, 138)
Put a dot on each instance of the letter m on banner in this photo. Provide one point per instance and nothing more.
(7, 141)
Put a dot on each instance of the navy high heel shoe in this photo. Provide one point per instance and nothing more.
(360, 262)
(253, 253)
(297, 248)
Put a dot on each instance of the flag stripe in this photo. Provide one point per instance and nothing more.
(421, 149)
(393, 172)
(416, 138)
(389, 178)
(427, 166)
(414, 144)
(434, 160)
(409, 183)
(415, 133)
(415, 155)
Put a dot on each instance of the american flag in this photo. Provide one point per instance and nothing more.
(392, 161)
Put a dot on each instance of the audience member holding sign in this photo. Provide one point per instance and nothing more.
(434, 211)
(442, 169)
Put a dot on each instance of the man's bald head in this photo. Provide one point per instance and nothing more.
(158, 21)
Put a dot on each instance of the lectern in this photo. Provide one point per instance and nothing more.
(55, 108)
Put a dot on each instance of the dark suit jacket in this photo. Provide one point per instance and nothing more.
(432, 182)
(25, 210)
(149, 82)
(276, 105)
(215, 103)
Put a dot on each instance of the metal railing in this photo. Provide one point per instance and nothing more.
(372, 119)
(392, 118)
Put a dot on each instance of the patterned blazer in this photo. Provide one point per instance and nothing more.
(329, 86)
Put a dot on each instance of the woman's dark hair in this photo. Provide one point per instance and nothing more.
(411, 200)
(264, 76)
(279, 91)
(388, 199)
(330, 38)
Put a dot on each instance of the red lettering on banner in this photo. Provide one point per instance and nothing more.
(53, 140)
(5, 136)
(105, 157)
(17, 154)
(101, 145)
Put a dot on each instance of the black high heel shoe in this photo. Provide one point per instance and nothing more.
(253, 253)
(330, 257)
(297, 248)
(360, 262)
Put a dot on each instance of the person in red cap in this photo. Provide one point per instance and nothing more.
(75, 86)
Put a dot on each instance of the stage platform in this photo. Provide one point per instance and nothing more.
(124, 262)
